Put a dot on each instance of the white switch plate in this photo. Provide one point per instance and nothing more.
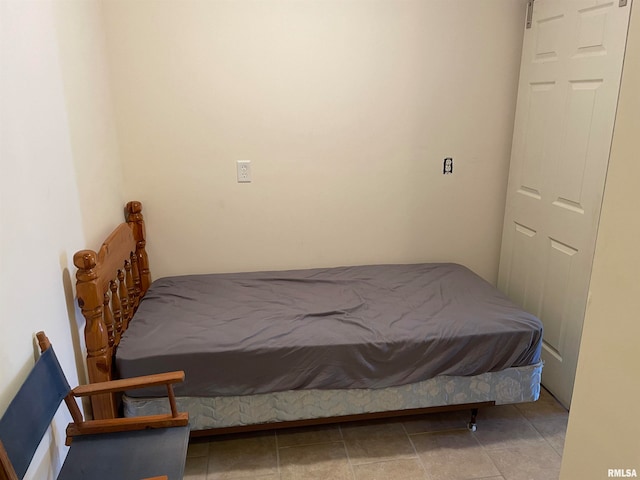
(244, 171)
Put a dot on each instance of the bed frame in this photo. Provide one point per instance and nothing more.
(110, 285)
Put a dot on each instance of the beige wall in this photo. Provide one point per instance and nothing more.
(346, 110)
(90, 116)
(603, 429)
(57, 131)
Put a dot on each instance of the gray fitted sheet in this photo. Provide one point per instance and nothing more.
(332, 328)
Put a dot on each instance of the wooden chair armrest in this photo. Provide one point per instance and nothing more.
(112, 425)
(88, 427)
(128, 384)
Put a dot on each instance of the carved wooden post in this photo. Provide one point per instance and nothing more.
(90, 299)
(124, 300)
(136, 220)
(135, 271)
(131, 289)
(108, 320)
(117, 311)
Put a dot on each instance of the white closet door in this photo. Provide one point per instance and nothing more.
(569, 82)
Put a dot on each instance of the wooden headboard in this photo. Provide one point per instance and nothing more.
(109, 286)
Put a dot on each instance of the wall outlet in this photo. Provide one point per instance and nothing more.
(244, 171)
(447, 165)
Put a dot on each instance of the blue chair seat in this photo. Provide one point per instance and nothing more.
(127, 455)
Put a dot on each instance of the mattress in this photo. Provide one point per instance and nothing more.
(362, 327)
(512, 385)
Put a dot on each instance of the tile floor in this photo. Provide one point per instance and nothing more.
(512, 442)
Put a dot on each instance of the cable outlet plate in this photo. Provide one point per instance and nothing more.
(243, 168)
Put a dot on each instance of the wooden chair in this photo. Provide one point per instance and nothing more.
(116, 449)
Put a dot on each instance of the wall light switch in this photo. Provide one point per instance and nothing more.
(244, 171)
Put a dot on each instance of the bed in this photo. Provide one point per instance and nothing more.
(297, 347)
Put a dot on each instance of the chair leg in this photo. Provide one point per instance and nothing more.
(472, 426)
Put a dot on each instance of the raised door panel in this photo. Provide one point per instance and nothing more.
(569, 82)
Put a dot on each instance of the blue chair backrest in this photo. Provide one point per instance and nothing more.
(30, 412)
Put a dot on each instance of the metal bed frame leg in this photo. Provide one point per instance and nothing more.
(472, 426)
